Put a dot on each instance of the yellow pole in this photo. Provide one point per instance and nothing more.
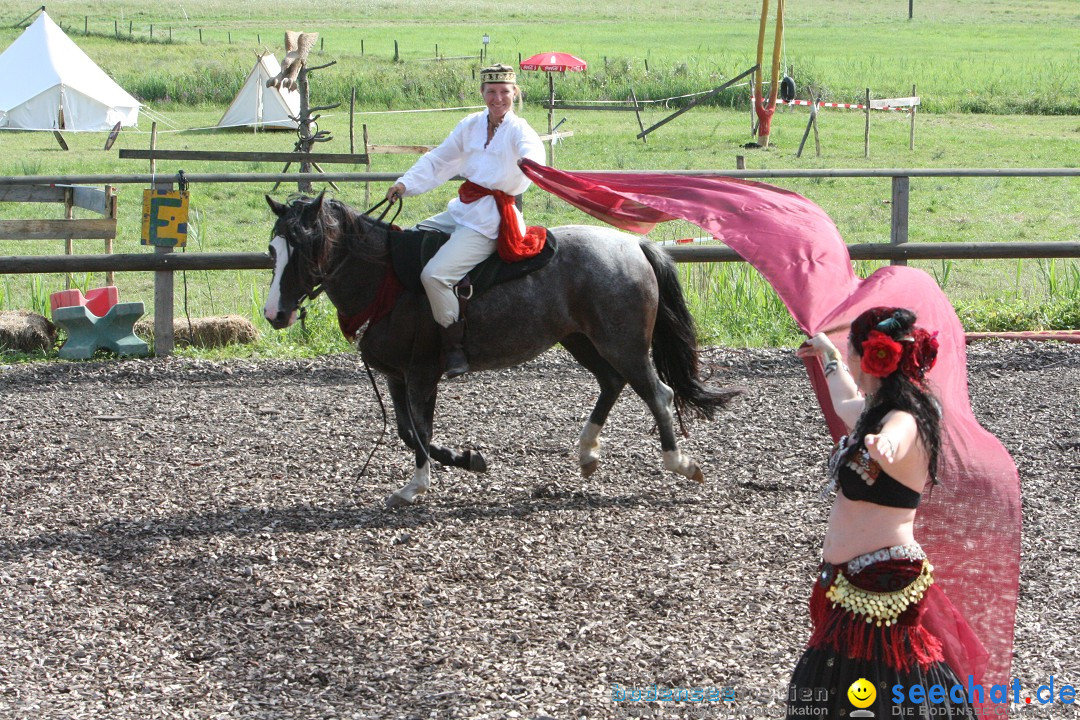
(778, 40)
(761, 49)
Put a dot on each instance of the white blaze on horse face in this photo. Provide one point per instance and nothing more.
(273, 297)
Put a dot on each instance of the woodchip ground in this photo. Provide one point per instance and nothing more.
(189, 539)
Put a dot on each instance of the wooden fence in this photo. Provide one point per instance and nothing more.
(99, 201)
(898, 250)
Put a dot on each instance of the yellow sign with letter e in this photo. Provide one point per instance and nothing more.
(165, 218)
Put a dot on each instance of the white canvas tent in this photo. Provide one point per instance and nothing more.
(262, 106)
(50, 84)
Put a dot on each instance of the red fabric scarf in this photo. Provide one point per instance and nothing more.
(512, 245)
(970, 525)
(385, 297)
(764, 114)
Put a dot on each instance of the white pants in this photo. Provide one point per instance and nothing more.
(465, 249)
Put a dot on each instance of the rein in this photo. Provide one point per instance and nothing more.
(382, 202)
(318, 289)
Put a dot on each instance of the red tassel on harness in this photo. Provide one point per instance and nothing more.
(383, 303)
(512, 245)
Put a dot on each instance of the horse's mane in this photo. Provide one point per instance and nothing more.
(337, 226)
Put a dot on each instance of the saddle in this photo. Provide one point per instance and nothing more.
(411, 249)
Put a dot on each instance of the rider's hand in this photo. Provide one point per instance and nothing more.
(396, 191)
(820, 346)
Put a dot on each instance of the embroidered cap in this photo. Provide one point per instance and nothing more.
(498, 73)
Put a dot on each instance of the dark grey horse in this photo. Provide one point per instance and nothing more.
(607, 297)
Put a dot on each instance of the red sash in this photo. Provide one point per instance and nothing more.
(512, 245)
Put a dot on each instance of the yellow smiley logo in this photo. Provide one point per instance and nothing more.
(861, 693)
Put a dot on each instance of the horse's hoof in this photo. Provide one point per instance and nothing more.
(698, 476)
(477, 463)
(589, 468)
(395, 501)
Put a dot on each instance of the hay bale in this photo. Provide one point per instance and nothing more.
(24, 331)
(205, 332)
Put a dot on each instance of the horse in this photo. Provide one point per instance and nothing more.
(607, 297)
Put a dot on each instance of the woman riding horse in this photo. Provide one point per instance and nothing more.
(612, 300)
(484, 148)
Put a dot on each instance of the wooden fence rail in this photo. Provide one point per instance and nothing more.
(175, 262)
(897, 250)
(101, 201)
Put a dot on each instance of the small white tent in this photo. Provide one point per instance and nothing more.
(50, 84)
(262, 106)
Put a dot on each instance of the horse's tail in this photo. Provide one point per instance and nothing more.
(674, 344)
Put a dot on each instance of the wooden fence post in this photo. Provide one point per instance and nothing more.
(899, 228)
(113, 214)
(352, 115)
(637, 111)
(163, 283)
(367, 183)
(806, 132)
(69, 214)
(866, 134)
(911, 140)
(817, 140)
(753, 103)
(396, 56)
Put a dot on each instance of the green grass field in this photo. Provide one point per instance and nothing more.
(963, 56)
(997, 81)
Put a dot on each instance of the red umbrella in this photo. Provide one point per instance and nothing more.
(554, 62)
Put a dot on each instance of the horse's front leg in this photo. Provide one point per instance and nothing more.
(411, 398)
(470, 459)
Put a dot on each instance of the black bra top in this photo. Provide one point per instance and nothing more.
(861, 478)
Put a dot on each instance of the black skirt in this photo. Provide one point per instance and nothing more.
(821, 681)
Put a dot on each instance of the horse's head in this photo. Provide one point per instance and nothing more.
(298, 248)
(319, 244)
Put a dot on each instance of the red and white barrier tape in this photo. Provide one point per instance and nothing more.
(846, 106)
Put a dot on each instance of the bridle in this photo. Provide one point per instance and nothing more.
(319, 287)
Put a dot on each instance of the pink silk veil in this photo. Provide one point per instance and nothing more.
(970, 522)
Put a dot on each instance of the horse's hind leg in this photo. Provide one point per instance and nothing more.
(660, 399)
(611, 384)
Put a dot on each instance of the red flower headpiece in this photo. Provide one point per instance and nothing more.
(880, 354)
(921, 356)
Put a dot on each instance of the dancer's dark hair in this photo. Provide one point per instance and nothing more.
(905, 387)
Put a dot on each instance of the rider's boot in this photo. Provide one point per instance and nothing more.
(453, 339)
